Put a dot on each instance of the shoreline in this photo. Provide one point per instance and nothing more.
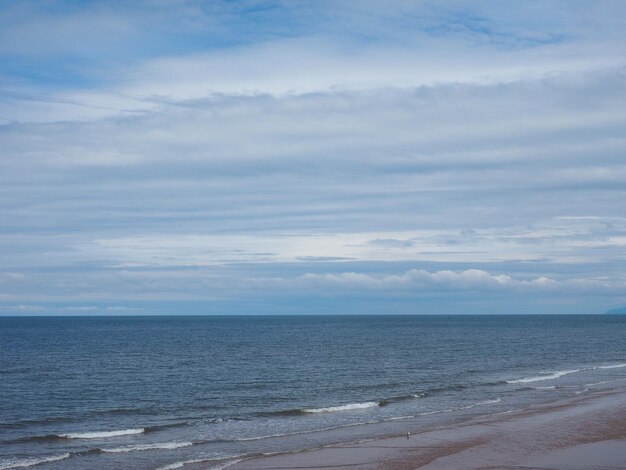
(583, 432)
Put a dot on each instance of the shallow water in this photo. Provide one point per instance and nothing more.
(150, 392)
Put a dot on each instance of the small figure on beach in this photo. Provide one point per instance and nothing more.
(408, 435)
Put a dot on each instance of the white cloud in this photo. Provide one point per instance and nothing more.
(419, 280)
(407, 46)
(485, 136)
(309, 66)
(557, 240)
(295, 67)
(22, 308)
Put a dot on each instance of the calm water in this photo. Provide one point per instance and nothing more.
(157, 392)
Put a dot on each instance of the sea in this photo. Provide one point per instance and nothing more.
(204, 392)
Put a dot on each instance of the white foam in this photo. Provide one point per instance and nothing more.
(398, 418)
(221, 466)
(482, 403)
(182, 463)
(23, 463)
(614, 366)
(164, 445)
(426, 413)
(488, 402)
(175, 465)
(504, 412)
(102, 434)
(310, 431)
(225, 465)
(560, 373)
(348, 407)
(269, 436)
(538, 378)
(605, 382)
(451, 410)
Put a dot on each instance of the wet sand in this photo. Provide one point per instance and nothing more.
(583, 433)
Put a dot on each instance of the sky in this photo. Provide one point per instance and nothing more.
(312, 157)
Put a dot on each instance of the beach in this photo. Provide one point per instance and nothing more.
(586, 432)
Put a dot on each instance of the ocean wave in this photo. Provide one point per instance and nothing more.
(614, 366)
(160, 427)
(46, 438)
(102, 434)
(413, 396)
(348, 407)
(547, 376)
(181, 464)
(328, 409)
(224, 465)
(85, 435)
(560, 373)
(461, 408)
(361, 423)
(31, 462)
(52, 420)
(399, 418)
(41, 421)
(481, 403)
(269, 414)
(268, 436)
(220, 466)
(120, 412)
(226, 419)
(446, 388)
(139, 447)
(605, 382)
(294, 433)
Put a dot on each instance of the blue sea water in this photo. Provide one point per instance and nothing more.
(196, 392)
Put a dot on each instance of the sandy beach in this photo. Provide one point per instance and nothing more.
(582, 433)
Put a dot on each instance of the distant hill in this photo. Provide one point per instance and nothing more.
(616, 311)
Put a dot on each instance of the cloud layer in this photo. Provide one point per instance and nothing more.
(273, 151)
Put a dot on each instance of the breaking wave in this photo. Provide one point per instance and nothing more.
(561, 373)
(30, 462)
(157, 446)
(482, 403)
(101, 434)
(182, 463)
(538, 378)
(614, 366)
(348, 407)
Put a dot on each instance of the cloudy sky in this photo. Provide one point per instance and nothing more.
(312, 157)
